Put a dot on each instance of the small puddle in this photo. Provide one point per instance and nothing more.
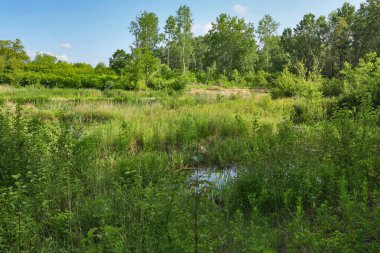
(211, 177)
(211, 182)
(215, 177)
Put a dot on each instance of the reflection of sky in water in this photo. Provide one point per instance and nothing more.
(214, 177)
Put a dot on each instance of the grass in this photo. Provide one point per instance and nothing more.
(86, 170)
(157, 121)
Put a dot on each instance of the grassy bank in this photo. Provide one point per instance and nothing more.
(105, 171)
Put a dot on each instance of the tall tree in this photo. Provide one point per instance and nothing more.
(366, 29)
(184, 35)
(119, 61)
(146, 31)
(199, 55)
(143, 64)
(339, 39)
(12, 55)
(232, 45)
(170, 32)
(267, 28)
(310, 37)
(266, 31)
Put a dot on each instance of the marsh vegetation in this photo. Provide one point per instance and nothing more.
(118, 159)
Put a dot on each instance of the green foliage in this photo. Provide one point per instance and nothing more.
(143, 65)
(145, 30)
(110, 170)
(12, 55)
(119, 61)
(115, 179)
(231, 45)
(288, 84)
(356, 82)
(332, 87)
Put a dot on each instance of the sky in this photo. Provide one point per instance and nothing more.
(91, 30)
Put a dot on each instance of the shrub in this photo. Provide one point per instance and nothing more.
(332, 87)
(364, 79)
(249, 77)
(30, 78)
(202, 77)
(126, 83)
(179, 83)
(90, 81)
(156, 83)
(222, 80)
(7, 78)
(108, 85)
(260, 79)
(166, 72)
(309, 109)
(288, 85)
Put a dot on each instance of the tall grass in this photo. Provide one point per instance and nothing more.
(108, 175)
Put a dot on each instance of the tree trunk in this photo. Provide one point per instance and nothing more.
(168, 56)
(183, 59)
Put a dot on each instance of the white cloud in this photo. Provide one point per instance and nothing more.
(61, 57)
(66, 45)
(240, 9)
(199, 29)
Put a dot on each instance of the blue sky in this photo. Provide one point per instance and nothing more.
(91, 30)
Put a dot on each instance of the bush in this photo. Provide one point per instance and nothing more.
(7, 78)
(176, 84)
(126, 83)
(332, 87)
(260, 79)
(288, 85)
(91, 81)
(364, 79)
(309, 109)
(249, 77)
(30, 78)
(156, 83)
(179, 83)
(166, 72)
(202, 77)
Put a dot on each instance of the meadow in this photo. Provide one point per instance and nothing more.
(242, 139)
(108, 171)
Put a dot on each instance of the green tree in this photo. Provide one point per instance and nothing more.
(310, 37)
(366, 29)
(339, 39)
(12, 55)
(272, 57)
(184, 35)
(119, 61)
(232, 44)
(170, 32)
(143, 65)
(146, 31)
(43, 62)
(199, 55)
(101, 68)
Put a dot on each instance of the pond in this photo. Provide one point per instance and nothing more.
(216, 177)
(211, 180)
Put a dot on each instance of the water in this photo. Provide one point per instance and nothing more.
(215, 178)
(211, 181)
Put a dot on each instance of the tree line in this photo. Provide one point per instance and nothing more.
(233, 51)
(321, 43)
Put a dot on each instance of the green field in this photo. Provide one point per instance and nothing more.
(196, 132)
(90, 170)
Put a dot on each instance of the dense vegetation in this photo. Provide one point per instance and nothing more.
(102, 159)
(233, 53)
(108, 171)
